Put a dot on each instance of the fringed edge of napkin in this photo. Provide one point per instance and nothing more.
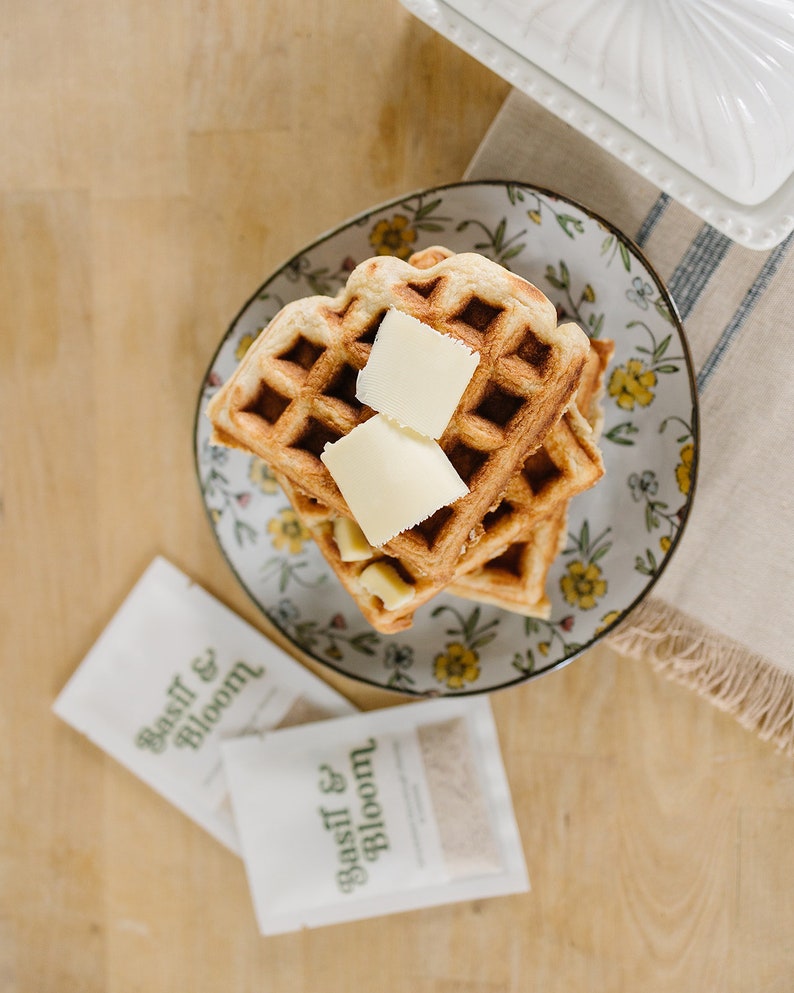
(757, 693)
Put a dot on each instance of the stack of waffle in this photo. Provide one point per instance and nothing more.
(522, 437)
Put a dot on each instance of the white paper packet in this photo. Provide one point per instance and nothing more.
(175, 672)
(375, 813)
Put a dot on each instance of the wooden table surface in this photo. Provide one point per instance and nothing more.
(159, 159)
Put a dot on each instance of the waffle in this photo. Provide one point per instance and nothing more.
(515, 578)
(568, 462)
(590, 394)
(294, 391)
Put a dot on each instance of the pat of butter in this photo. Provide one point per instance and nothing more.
(383, 581)
(415, 374)
(391, 477)
(350, 540)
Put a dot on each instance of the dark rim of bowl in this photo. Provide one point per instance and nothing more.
(359, 219)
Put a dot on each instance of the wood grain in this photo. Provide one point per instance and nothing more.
(159, 159)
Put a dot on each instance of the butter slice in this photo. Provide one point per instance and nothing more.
(383, 581)
(391, 477)
(415, 374)
(350, 540)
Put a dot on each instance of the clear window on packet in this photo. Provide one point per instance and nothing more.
(374, 813)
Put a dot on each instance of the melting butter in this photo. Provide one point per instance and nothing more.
(350, 540)
(391, 477)
(383, 581)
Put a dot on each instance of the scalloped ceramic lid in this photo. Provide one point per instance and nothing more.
(709, 83)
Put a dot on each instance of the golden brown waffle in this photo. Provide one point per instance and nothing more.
(568, 462)
(515, 579)
(295, 389)
(591, 388)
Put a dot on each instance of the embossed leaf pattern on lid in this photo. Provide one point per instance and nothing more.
(709, 83)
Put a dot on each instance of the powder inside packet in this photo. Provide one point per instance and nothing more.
(459, 804)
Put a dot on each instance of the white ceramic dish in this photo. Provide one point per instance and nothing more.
(621, 532)
(695, 95)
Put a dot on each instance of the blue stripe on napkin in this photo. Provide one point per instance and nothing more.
(692, 274)
(652, 219)
(734, 326)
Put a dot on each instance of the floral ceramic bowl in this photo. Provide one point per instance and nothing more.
(621, 533)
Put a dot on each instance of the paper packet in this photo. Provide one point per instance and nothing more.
(173, 674)
(374, 813)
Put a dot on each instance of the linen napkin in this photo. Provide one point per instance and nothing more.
(721, 617)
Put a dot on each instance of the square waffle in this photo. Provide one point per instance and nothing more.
(508, 566)
(568, 462)
(294, 391)
(515, 578)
